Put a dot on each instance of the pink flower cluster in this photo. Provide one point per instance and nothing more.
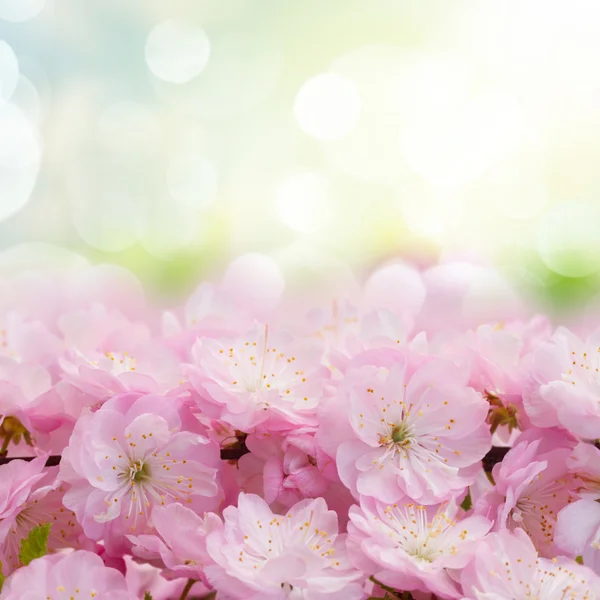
(414, 439)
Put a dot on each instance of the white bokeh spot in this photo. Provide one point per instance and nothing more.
(192, 181)
(177, 51)
(20, 10)
(20, 153)
(568, 240)
(9, 72)
(327, 106)
(303, 201)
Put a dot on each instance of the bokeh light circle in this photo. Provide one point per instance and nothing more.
(110, 220)
(568, 241)
(19, 143)
(463, 294)
(428, 210)
(20, 151)
(254, 280)
(490, 297)
(171, 228)
(303, 201)
(107, 208)
(327, 106)
(394, 84)
(20, 10)
(229, 85)
(516, 193)
(192, 181)
(315, 276)
(177, 51)
(27, 98)
(9, 72)
(130, 129)
(395, 287)
(451, 146)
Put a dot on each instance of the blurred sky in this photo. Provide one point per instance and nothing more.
(328, 135)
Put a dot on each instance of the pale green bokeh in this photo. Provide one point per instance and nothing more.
(327, 134)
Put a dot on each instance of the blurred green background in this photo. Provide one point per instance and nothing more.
(330, 135)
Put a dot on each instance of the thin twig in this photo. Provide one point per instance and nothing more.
(389, 590)
(187, 588)
(494, 456)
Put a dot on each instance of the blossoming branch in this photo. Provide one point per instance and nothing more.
(400, 440)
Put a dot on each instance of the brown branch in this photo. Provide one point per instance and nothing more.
(233, 453)
(52, 461)
(494, 456)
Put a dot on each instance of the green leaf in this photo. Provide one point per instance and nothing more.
(467, 503)
(2, 578)
(35, 545)
(147, 596)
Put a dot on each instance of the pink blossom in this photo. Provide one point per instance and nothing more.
(260, 555)
(18, 480)
(32, 496)
(346, 332)
(107, 354)
(378, 315)
(421, 434)
(533, 484)
(285, 470)
(578, 532)
(134, 453)
(79, 574)
(28, 353)
(498, 369)
(461, 294)
(396, 287)
(16, 425)
(41, 286)
(31, 379)
(584, 462)
(262, 381)
(506, 565)
(206, 313)
(365, 424)
(564, 384)
(332, 324)
(30, 427)
(289, 473)
(180, 540)
(346, 329)
(412, 547)
(143, 577)
(480, 487)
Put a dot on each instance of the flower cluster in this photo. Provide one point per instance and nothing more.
(412, 439)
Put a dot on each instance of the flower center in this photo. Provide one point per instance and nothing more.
(501, 415)
(139, 472)
(13, 430)
(422, 553)
(121, 362)
(398, 439)
(584, 367)
(400, 434)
